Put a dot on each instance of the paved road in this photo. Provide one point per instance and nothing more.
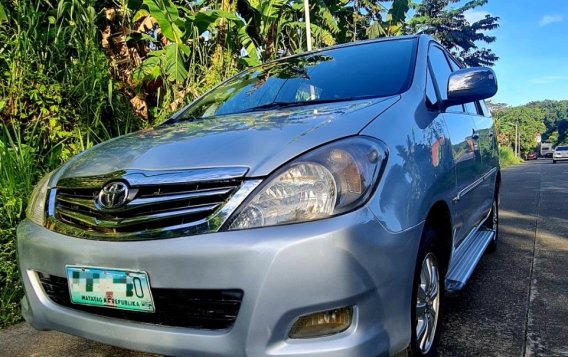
(516, 303)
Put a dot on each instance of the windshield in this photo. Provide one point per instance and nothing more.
(562, 148)
(377, 69)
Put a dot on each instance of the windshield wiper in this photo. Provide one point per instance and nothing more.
(280, 105)
(269, 106)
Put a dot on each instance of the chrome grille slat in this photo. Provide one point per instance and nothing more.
(125, 222)
(82, 202)
(155, 178)
(158, 205)
(146, 201)
(82, 193)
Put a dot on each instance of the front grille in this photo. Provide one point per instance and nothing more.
(153, 206)
(199, 309)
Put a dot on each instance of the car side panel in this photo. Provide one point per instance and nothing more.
(467, 160)
(419, 170)
(487, 146)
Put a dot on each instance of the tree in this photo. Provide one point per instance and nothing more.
(555, 113)
(165, 53)
(497, 110)
(367, 19)
(455, 32)
(528, 122)
(496, 107)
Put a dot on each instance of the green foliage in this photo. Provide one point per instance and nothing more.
(56, 99)
(527, 121)
(3, 16)
(186, 49)
(451, 28)
(18, 172)
(166, 14)
(507, 157)
(555, 119)
(549, 118)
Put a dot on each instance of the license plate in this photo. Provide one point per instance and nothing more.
(118, 289)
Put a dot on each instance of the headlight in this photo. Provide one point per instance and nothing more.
(36, 205)
(333, 179)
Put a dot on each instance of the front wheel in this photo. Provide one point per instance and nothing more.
(427, 296)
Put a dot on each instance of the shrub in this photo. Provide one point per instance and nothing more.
(56, 99)
(17, 173)
(507, 157)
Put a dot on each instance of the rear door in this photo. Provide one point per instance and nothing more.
(487, 147)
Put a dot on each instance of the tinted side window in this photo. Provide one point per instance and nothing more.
(441, 71)
(455, 109)
(430, 90)
(471, 108)
(484, 108)
(454, 65)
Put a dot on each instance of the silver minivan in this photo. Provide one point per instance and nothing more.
(317, 205)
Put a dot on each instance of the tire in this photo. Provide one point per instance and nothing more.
(554, 161)
(492, 223)
(427, 294)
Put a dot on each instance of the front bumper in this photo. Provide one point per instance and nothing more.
(560, 158)
(285, 272)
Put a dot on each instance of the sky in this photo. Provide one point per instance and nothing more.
(532, 45)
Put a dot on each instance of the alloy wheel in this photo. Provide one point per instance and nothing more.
(427, 303)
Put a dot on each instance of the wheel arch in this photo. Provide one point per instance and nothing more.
(498, 182)
(439, 219)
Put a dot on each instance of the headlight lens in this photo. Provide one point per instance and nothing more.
(36, 205)
(328, 181)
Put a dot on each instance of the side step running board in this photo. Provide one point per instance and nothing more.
(465, 259)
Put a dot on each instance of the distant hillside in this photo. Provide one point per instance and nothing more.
(549, 118)
(555, 118)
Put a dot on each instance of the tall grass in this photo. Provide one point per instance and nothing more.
(17, 175)
(56, 99)
(507, 157)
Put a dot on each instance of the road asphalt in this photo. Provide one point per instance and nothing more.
(515, 304)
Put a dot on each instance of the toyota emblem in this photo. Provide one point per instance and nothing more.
(113, 195)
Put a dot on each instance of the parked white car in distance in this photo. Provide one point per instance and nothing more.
(560, 153)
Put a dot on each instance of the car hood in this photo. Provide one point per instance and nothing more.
(259, 141)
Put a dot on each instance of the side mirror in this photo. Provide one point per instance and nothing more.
(470, 84)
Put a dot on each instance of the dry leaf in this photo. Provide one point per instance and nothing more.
(110, 14)
(147, 24)
(140, 106)
(105, 37)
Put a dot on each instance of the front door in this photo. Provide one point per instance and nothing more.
(464, 137)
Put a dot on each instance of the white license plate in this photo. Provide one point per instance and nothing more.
(112, 288)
